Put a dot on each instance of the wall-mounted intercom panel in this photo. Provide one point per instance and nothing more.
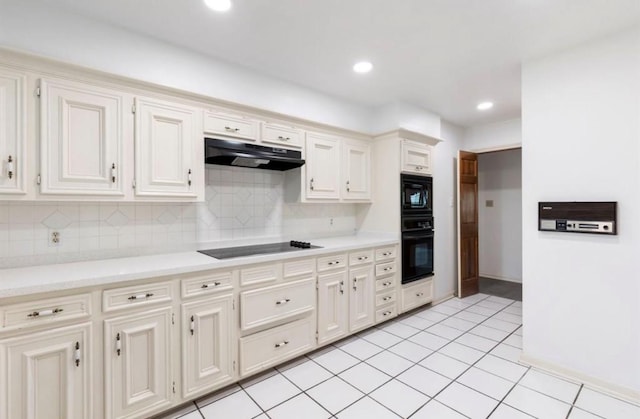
(578, 217)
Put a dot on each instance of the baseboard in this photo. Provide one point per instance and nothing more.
(502, 278)
(447, 296)
(621, 392)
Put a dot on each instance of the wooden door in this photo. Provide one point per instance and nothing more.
(356, 169)
(165, 149)
(138, 376)
(333, 306)
(207, 345)
(12, 131)
(361, 298)
(81, 139)
(467, 223)
(322, 167)
(47, 375)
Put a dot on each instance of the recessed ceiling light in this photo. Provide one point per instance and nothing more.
(362, 67)
(218, 5)
(483, 106)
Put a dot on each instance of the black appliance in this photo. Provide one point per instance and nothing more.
(416, 194)
(258, 249)
(417, 248)
(578, 217)
(235, 153)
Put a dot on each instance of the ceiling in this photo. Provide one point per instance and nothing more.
(442, 55)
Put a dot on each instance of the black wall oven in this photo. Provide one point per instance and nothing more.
(417, 227)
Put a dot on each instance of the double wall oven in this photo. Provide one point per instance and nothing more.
(417, 227)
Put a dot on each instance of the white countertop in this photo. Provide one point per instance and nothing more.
(47, 278)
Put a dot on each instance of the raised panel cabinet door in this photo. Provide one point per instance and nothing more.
(333, 306)
(356, 169)
(81, 139)
(47, 375)
(207, 345)
(361, 298)
(165, 147)
(416, 158)
(12, 132)
(322, 167)
(138, 378)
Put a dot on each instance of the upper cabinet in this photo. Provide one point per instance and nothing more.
(275, 134)
(322, 167)
(167, 140)
(81, 139)
(228, 125)
(416, 158)
(12, 132)
(356, 170)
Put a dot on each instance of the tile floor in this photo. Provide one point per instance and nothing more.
(458, 359)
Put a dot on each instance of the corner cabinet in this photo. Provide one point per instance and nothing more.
(82, 135)
(12, 132)
(416, 158)
(167, 140)
(322, 167)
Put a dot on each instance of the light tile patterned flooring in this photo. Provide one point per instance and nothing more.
(458, 359)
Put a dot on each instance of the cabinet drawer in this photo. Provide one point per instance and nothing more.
(261, 274)
(267, 305)
(417, 295)
(279, 134)
(361, 257)
(306, 267)
(385, 284)
(383, 269)
(386, 313)
(386, 298)
(231, 126)
(135, 296)
(206, 283)
(53, 310)
(385, 253)
(273, 346)
(327, 263)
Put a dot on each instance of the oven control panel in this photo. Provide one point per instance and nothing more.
(577, 217)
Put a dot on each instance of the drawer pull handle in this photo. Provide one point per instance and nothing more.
(348, 186)
(386, 298)
(10, 167)
(388, 268)
(118, 344)
(280, 137)
(363, 257)
(420, 294)
(193, 325)
(341, 285)
(418, 167)
(386, 313)
(311, 184)
(336, 262)
(77, 354)
(215, 284)
(281, 302)
(281, 344)
(43, 313)
(141, 296)
(355, 284)
(386, 284)
(113, 173)
(386, 254)
(230, 129)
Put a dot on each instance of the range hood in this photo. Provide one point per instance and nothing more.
(234, 153)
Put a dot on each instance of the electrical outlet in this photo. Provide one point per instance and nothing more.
(489, 203)
(55, 238)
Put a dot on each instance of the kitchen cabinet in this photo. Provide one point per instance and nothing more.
(229, 125)
(167, 140)
(333, 306)
(322, 167)
(12, 132)
(386, 283)
(208, 344)
(416, 294)
(137, 357)
(356, 171)
(281, 135)
(361, 298)
(416, 158)
(82, 136)
(47, 374)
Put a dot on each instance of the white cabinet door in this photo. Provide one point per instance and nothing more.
(47, 374)
(138, 378)
(166, 137)
(12, 132)
(333, 306)
(322, 167)
(81, 139)
(361, 298)
(356, 171)
(416, 157)
(207, 345)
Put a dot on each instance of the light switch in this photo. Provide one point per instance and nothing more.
(489, 203)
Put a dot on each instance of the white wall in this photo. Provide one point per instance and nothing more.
(500, 226)
(396, 115)
(491, 136)
(581, 142)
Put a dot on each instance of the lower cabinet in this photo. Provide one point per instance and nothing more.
(47, 374)
(416, 294)
(208, 336)
(361, 298)
(137, 353)
(333, 306)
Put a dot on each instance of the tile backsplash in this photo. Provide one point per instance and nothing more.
(239, 203)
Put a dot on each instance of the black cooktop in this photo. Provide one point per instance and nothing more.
(259, 249)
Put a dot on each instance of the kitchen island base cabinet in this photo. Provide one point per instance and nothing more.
(138, 375)
(208, 333)
(47, 374)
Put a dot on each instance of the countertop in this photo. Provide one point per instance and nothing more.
(48, 278)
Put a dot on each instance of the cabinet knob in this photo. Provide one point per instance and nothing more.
(118, 344)
(113, 173)
(348, 187)
(311, 184)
